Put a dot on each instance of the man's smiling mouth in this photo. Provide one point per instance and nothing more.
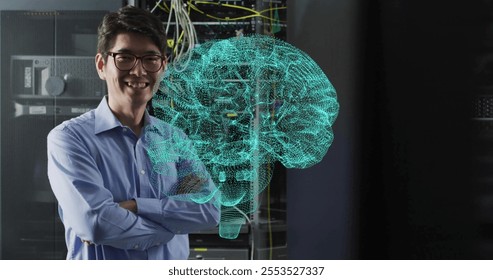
(137, 84)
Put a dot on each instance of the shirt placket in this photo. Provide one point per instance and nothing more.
(142, 170)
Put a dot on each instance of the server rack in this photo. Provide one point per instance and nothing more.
(264, 237)
(482, 152)
(47, 76)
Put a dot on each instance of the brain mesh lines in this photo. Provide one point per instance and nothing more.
(244, 103)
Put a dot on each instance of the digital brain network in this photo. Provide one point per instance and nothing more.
(244, 103)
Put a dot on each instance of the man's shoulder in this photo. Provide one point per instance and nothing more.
(159, 123)
(163, 128)
(79, 123)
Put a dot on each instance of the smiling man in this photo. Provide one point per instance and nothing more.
(98, 166)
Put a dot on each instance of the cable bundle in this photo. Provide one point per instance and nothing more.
(184, 37)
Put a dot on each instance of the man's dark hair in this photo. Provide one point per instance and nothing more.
(130, 19)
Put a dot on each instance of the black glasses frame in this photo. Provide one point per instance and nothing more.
(114, 55)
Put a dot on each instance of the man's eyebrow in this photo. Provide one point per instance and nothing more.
(129, 51)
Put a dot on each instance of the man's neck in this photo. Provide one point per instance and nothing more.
(133, 117)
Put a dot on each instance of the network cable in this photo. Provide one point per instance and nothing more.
(253, 13)
(184, 37)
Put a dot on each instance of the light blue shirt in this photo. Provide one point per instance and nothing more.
(94, 162)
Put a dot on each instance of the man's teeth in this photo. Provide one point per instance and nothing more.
(136, 84)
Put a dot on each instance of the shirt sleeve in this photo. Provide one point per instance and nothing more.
(180, 217)
(179, 213)
(87, 206)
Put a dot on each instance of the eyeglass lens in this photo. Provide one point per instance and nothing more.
(125, 62)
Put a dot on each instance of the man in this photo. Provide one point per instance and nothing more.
(99, 170)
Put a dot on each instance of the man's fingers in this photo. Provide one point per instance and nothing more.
(191, 184)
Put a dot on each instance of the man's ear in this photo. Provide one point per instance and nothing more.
(100, 66)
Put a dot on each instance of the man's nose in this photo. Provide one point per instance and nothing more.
(138, 68)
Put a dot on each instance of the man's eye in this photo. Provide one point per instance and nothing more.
(125, 58)
(152, 59)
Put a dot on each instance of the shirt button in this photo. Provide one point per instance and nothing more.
(136, 246)
(142, 172)
(124, 130)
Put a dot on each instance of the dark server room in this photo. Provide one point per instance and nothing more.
(407, 176)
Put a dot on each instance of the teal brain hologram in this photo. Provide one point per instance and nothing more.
(244, 103)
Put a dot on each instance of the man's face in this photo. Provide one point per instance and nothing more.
(133, 87)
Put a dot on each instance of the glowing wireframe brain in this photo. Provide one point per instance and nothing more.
(244, 103)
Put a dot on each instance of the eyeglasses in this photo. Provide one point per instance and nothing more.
(127, 61)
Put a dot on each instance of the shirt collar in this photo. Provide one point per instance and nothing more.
(105, 119)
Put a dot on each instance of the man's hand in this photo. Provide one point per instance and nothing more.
(190, 184)
(130, 205)
(86, 242)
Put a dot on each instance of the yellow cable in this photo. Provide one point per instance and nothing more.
(178, 41)
(271, 242)
(268, 216)
(195, 8)
(164, 7)
(254, 13)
